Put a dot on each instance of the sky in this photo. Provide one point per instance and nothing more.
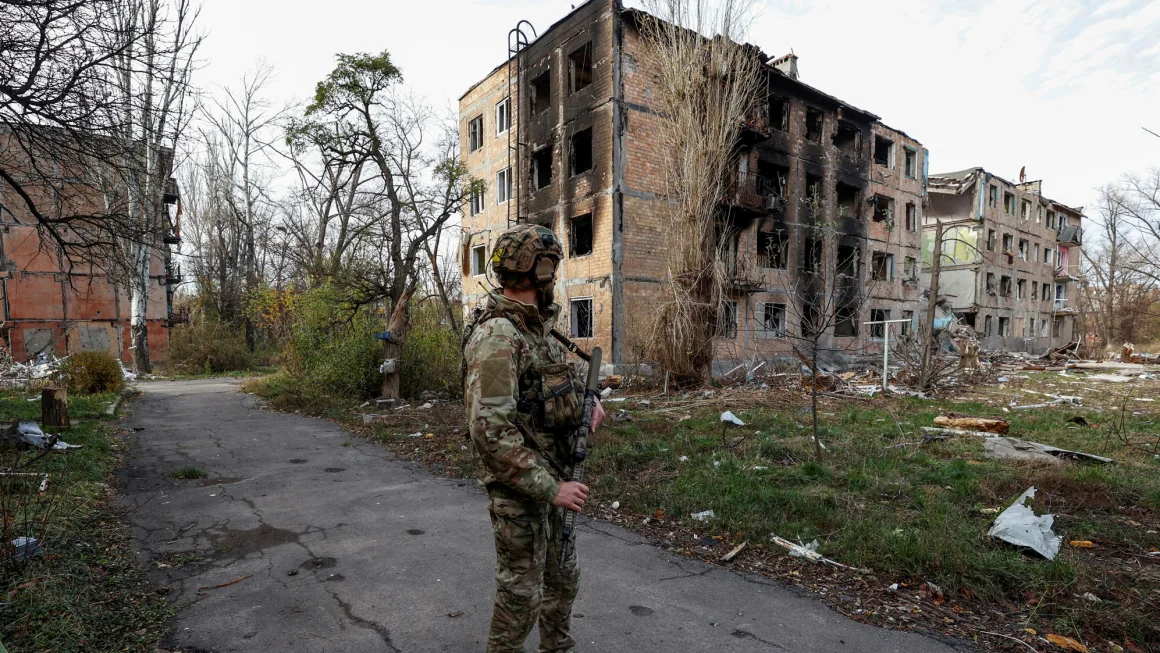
(1063, 87)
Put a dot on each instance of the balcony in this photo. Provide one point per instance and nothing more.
(751, 191)
(1069, 236)
(172, 274)
(1062, 307)
(1063, 274)
(743, 273)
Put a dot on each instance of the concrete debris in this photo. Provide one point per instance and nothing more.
(1019, 525)
(27, 433)
(1016, 449)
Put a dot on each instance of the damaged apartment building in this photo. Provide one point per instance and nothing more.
(1011, 257)
(562, 134)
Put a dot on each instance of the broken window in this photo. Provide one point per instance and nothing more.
(580, 235)
(815, 201)
(1008, 240)
(907, 325)
(475, 133)
(990, 240)
(848, 140)
(1005, 286)
(1034, 290)
(478, 260)
(1004, 327)
(815, 123)
(540, 93)
(809, 321)
(772, 179)
(1051, 219)
(884, 209)
(1039, 215)
(580, 152)
(771, 249)
(503, 115)
(1020, 288)
(882, 266)
(987, 325)
(846, 321)
(773, 319)
(990, 283)
(1036, 259)
(911, 217)
(883, 151)
(993, 195)
(1056, 327)
(847, 200)
(848, 261)
(1009, 203)
(1046, 291)
(1047, 255)
(1043, 328)
(909, 269)
(580, 68)
(727, 320)
(811, 255)
(580, 317)
(1025, 210)
(878, 331)
(1023, 245)
(542, 167)
(779, 113)
(910, 165)
(503, 185)
(477, 199)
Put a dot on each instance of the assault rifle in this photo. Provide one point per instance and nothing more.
(580, 449)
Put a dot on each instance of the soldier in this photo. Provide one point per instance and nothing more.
(524, 403)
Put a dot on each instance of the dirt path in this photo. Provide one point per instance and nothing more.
(338, 547)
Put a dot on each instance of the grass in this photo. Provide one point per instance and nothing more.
(188, 473)
(86, 593)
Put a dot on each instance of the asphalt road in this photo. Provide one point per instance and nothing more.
(339, 547)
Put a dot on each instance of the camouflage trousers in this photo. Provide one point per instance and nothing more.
(529, 583)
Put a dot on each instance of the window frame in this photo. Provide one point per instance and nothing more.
(481, 270)
(475, 133)
(910, 162)
(503, 191)
(573, 331)
(506, 121)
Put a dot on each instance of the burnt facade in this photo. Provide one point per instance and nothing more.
(586, 160)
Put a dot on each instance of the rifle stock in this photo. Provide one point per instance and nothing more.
(580, 447)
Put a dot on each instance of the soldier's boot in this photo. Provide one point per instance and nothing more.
(519, 572)
(560, 588)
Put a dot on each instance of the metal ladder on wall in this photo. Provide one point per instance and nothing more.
(517, 42)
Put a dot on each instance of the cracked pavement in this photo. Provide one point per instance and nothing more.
(341, 547)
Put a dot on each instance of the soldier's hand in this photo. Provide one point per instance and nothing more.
(597, 415)
(571, 496)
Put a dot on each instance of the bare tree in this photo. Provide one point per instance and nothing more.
(706, 85)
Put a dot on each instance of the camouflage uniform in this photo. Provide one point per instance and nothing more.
(522, 406)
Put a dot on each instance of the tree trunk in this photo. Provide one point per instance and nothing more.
(814, 403)
(54, 409)
(928, 344)
(139, 300)
(397, 328)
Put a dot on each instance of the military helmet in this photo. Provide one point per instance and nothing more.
(527, 249)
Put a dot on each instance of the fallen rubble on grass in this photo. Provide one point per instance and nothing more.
(1019, 525)
(1016, 449)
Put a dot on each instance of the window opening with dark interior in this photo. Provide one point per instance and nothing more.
(879, 315)
(540, 96)
(911, 217)
(815, 198)
(991, 283)
(727, 320)
(478, 260)
(580, 152)
(580, 235)
(475, 133)
(1005, 286)
(542, 167)
(815, 124)
(848, 261)
(883, 209)
(909, 317)
(580, 317)
(773, 318)
(779, 113)
(771, 248)
(1009, 203)
(990, 240)
(1004, 331)
(771, 184)
(993, 195)
(847, 200)
(987, 325)
(846, 321)
(1008, 242)
(811, 255)
(882, 266)
(883, 151)
(809, 320)
(580, 67)
(848, 140)
(910, 166)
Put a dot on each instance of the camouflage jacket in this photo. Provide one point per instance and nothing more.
(519, 387)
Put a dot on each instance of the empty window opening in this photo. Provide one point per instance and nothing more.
(911, 217)
(580, 235)
(1043, 328)
(884, 209)
(910, 165)
(1025, 210)
(580, 67)
(993, 195)
(1008, 241)
(1020, 289)
(1036, 259)
(815, 123)
(1009, 203)
(771, 249)
(1023, 248)
(1047, 253)
(580, 152)
(846, 321)
(773, 180)
(773, 319)
(1051, 219)
(503, 115)
(908, 325)
(779, 113)
(503, 186)
(1004, 327)
(848, 139)
(540, 93)
(909, 269)
(1034, 290)
(848, 264)
(991, 283)
(847, 200)
(811, 255)
(809, 321)
(727, 320)
(815, 200)
(1056, 327)
(1046, 291)
(987, 325)
(882, 266)
(990, 240)
(478, 260)
(883, 151)
(542, 168)
(475, 133)
(477, 198)
(878, 331)
(1005, 286)
(580, 317)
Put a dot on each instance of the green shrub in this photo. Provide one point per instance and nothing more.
(332, 351)
(431, 354)
(208, 346)
(92, 372)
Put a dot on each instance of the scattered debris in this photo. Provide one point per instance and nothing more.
(27, 433)
(623, 416)
(1078, 419)
(1067, 643)
(25, 547)
(704, 515)
(1016, 449)
(1111, 378)
(728, 417)
(809, 551)
(989, 424)
(1082, 544)
(616, 505)
(933, 433)
(728, 557)
(1088, 596)
(201, 590)
(1019, 525)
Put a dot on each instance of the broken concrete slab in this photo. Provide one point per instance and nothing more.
(1019, 525)
(1016, 449)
